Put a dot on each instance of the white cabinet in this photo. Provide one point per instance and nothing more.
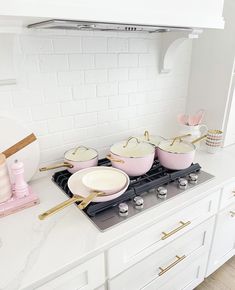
(131, 251)
(211, 82)
(223, 246)
(87, 276)
(187, 253)
(228, 195)
(193, 13)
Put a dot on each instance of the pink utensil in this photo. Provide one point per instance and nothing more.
(182, 119)
(193, 120)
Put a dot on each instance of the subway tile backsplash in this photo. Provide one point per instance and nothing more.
(93, 88)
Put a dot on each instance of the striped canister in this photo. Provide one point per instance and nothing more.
(5, 184)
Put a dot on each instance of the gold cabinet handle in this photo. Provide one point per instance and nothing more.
(233, 192)
(177, 261)
(232, 213)
(182, 225)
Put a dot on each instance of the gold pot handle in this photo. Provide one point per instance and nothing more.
(178, 260)
(109, 157)
(199, 139)
(75, 151)
(60, 206)
(129, 139)
(146, 135)
(182, 225)
(65, 164)
(179, 137)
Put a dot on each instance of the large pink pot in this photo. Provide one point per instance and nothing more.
(76, 159)
(134, 158)
(180, 156)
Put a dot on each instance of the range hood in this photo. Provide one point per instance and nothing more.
(103, 26)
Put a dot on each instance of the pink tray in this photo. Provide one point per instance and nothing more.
(16, 204)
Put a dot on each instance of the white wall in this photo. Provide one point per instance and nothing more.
(93, 88)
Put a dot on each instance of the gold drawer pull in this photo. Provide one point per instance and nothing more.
(182, 225)
(232, 213)
(164, 270)
(233, 192)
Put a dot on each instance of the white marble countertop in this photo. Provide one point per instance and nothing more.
(32, 250)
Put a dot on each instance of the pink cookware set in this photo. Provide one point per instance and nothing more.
(132, 157)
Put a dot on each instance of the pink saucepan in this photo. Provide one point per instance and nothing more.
(76, 159)
(132, 156)
(177, 154)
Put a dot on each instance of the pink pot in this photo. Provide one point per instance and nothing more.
(133, 158)
(176, 158)
(76, 159)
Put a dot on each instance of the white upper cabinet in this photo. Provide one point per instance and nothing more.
(183, 13)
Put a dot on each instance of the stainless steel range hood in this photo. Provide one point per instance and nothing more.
(103, 26)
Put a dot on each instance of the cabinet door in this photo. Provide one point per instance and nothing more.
(87, 276)
(169, 262)
(136, 248)
(223, 246)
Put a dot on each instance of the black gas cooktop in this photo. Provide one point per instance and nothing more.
(145, 191)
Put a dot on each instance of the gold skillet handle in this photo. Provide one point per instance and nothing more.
(59, 207)
(89, 199)
(65, 164)
(109, 157)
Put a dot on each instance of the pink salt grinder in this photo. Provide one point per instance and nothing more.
(21, 188)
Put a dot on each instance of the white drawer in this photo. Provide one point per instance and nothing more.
(187, 278)
(133, 250)
(228, 195)
(86, 276)
(165, 264)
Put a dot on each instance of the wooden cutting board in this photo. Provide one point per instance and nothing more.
(12, 131)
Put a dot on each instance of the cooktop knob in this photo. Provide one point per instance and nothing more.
(193, 178)
(123, 209)
(162, 192)
(139, 202)
(183, 183)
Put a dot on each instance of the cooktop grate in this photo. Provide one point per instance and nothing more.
(157, 176)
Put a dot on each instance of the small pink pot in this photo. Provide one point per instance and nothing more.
(134, 159)
(75, 160)
(176, 160)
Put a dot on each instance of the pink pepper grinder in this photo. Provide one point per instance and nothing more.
(21, 187)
